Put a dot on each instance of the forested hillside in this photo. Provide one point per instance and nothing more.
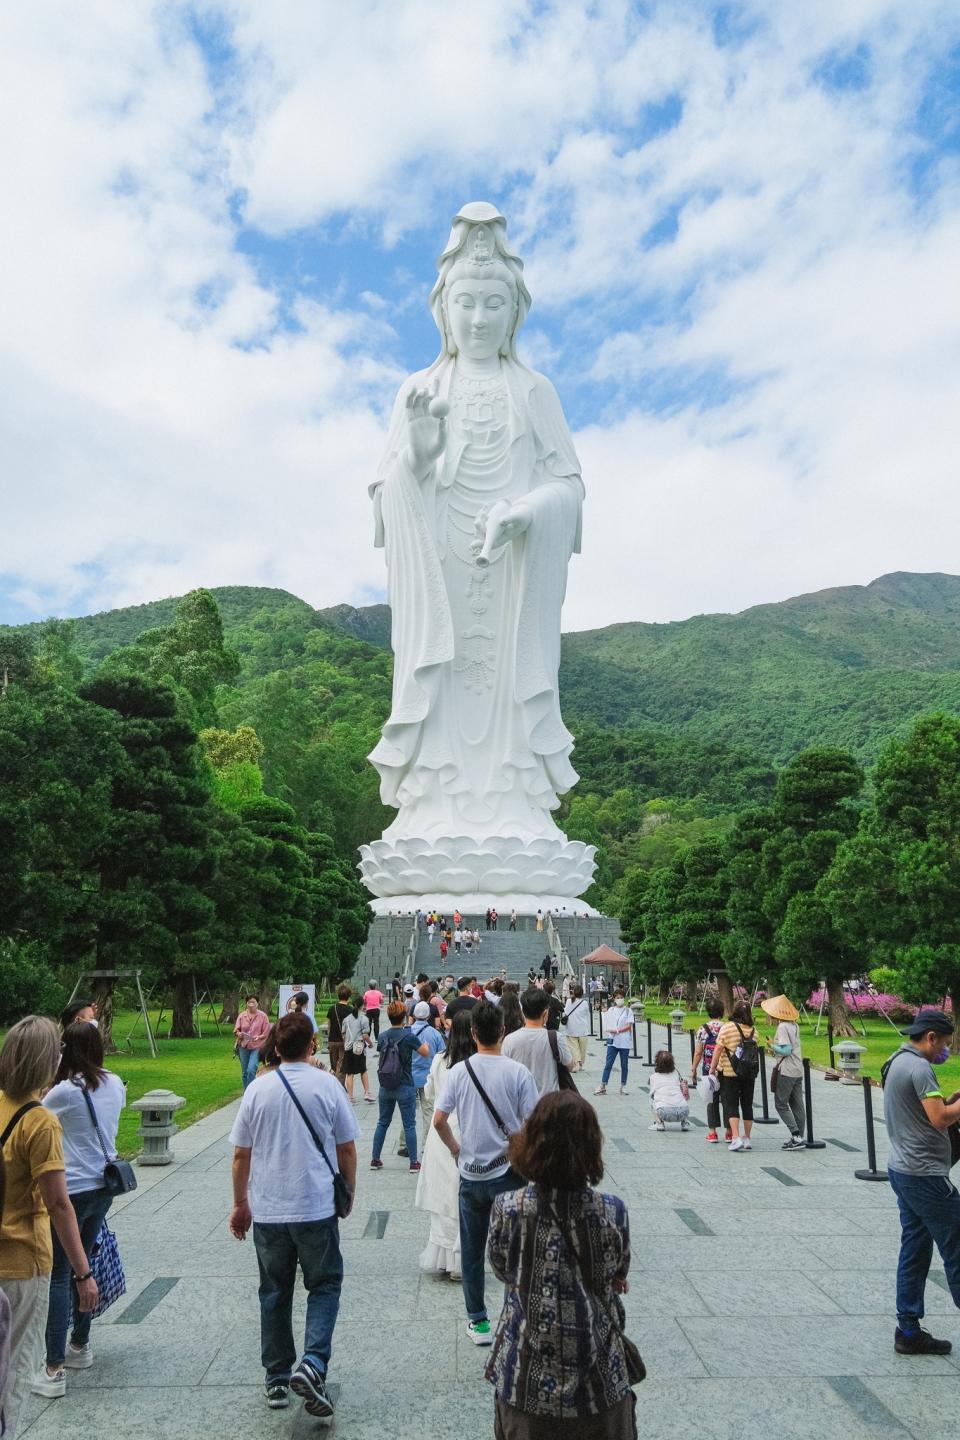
(680, 727)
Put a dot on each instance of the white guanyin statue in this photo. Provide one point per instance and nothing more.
(478, 503)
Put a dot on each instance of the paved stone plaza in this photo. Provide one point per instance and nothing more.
(801, 1345)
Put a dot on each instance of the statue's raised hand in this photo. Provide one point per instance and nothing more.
(426, 429)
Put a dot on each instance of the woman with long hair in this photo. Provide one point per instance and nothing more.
(510, 1008)
(438, 1186)
(80, 1084)
(560, 1363)
(35, 1198)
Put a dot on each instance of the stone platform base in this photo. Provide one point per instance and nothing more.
(479, 902)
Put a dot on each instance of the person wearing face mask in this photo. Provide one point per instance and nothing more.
(918, 1117)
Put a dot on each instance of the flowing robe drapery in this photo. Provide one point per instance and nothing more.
(475, 743)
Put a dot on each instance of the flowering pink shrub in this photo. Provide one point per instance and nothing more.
(871, 1007)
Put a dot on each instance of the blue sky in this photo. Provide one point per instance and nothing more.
(739, 225)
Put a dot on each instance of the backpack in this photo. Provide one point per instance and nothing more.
(746, 1058)
(711, 1031)
(390, 1072)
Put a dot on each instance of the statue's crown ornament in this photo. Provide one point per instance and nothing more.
(482, 251)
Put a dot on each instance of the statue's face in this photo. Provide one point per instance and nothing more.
(479, 313)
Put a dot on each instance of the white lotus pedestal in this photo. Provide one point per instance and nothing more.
(458, 872)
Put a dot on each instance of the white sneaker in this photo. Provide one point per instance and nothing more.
(624, 1090)
(50, 1386)
(658, 1125)
(735, 1145)
(746, 1145)
(78, 1357)
(600, 1090)
(684, 1124)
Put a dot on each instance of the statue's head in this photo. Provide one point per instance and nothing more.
(476, 266)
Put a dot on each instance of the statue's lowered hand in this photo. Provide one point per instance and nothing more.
(500, 524)
(426, 429)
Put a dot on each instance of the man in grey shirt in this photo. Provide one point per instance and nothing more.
(532, 1045)
(918, 1118)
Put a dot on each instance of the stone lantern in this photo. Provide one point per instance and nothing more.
(157, 1126)
(637, 1007)
(847, 1057)
(678, 1016)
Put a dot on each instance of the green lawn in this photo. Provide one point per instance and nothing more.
(205, 1072)
(881, 1040)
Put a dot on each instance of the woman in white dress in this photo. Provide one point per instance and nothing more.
(438, 1185)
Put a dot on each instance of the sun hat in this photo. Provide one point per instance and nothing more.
(780, 1008)
(408, 990)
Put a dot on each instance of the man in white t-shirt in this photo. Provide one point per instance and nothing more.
(481, 1153)
(284, 1186)
(532, 1045)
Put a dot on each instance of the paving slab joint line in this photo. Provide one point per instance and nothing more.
(867, 1406)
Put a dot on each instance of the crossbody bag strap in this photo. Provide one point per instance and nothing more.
(15, 1120)
(554, 1043)
(571, 1245)
(487, 1101)
(306, 1120)
(93, 1118)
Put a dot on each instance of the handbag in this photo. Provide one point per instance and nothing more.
(774, 1077)
(564, 1079)
(565, 1018)
(107, 1269)
(342, 1194)
(636, 1370)
(118, 1175)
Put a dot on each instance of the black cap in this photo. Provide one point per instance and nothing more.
(929, 1019)
(70, 1014)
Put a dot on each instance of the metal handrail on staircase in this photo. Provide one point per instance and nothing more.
(413, 945)
(556, 948)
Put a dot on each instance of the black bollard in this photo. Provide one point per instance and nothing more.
(648, 1063)
(810, 1143)
(830, 1045)
(871, 1173)
(590, 1010)
(633, 1038)
(766, 1118)
(669, 1035)
(693, 1045)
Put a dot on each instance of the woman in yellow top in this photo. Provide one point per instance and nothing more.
(736, 1091)
(35, 1194)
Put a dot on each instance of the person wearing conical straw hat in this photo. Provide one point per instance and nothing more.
(787, 1081)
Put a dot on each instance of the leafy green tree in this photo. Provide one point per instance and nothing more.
(895, 887)
(814, 812)
(747, 948)
(150, 906)
(189, 656)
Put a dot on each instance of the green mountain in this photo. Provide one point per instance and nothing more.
(847, 666)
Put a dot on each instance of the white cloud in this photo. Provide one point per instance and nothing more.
(161, 427)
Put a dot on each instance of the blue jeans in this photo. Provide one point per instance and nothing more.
(249, 1060)
(608, 1064)
(406, 1097)
(90, 1206)
(476, 1202)
(929, 1214)
(315, 1245)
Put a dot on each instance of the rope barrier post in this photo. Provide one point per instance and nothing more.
(590, 1010)
(829, 1044)
(766, 1118)
(669, 1036)
(633, 1038)
(810, 1143)
(648, 1063)
(871, 1173)
(693, 1045)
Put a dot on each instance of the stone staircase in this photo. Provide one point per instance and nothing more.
(385, 951)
